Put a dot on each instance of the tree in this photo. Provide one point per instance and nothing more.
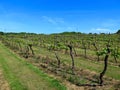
(58, 59)
(85, 48)
(107, 53)
(115, 53)
(26, 52)
(71, 50)
(30, 46)
(1, 33)
(118, 32)
(97, 52)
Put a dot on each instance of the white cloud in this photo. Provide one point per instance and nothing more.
(53, 20)
(50, 20)
(100, 30)
(103, 29)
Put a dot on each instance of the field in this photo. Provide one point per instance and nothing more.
(65, 61)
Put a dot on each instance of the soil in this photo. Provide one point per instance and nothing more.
(109, 84)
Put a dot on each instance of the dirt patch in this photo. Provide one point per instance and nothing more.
(3, 83)
(90, 77)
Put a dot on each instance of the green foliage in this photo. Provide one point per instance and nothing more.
(98, 53)
(1, 33)
(50, 47)
(118, 32)
(102, 52)
(70, 33)
(115, 52)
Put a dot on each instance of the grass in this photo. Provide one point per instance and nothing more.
(24, 76)
(13, 81)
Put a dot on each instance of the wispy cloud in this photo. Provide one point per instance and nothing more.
(54, 21)
(103, 29)
(100, 30)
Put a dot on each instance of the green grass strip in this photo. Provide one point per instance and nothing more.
(53, 82)
(13, 81)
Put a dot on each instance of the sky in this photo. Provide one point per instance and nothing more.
(56, 16)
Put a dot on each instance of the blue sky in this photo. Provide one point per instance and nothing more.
(54, 16)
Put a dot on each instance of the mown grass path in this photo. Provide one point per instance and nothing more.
(24, 76)
(3, 83)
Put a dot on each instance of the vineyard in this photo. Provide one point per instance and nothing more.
(90, 61)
